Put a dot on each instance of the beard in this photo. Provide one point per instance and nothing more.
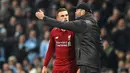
(77, 16)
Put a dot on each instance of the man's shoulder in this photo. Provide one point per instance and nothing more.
(70, 31)
(90, 23)
(54, 29)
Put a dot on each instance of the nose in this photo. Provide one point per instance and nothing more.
(65, 19)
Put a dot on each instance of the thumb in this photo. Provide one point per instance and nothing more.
(40, 10)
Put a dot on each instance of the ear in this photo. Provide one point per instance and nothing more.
(57, 18)
(82, 12)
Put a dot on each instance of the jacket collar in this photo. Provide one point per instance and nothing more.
(89, 16)
(84, 16)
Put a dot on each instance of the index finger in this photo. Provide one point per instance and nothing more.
(40, 10)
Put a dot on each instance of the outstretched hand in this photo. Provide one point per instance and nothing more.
(40, 14)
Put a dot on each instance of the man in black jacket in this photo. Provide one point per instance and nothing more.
(87, 37)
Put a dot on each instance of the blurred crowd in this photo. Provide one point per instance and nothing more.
(24, 39)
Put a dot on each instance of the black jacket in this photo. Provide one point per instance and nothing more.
(87, 38)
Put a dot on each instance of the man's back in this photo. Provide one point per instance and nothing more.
(89, 43)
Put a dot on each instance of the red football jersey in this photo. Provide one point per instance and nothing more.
(62, 43)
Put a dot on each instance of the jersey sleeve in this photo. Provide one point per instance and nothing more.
(51, 50)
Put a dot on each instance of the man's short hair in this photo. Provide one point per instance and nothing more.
(60, 9)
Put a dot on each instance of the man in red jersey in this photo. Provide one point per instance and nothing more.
(62, 43)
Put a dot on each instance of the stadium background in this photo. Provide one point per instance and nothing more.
(24, 39)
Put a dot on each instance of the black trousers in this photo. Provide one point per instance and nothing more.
(86, 69)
